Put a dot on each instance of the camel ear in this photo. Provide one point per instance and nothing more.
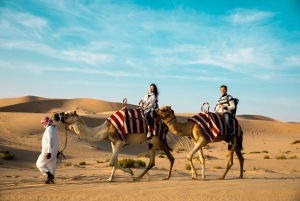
(168, 107)
(75, 112)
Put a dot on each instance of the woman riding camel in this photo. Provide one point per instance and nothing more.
(149, 104)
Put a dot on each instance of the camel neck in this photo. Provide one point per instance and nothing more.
(90, 134)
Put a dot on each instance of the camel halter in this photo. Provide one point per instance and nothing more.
(171, 120)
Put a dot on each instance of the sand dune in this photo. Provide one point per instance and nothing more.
(43, 105)
(21, 132)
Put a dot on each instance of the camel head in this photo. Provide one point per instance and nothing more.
(68, 118)
(165, 112)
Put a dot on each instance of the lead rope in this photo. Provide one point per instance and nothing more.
(60, 156)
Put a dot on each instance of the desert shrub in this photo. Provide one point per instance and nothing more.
(206, 146)
(4, 152)
(68, 164)
(243, 153)
(188, 167)
(162, 168)
(254, 168)
(82, 163)
(293, 157)
(99, 161)
(295, 142)
(266, 157)
(161, 152)
(140, 163)
(217, 167)
(286, 152)
(180, 149)
(127, 162)
(143, 155)
(255, 152)
(160, 156)
(107, 160)
(8, 156)
(280, 157)
(264, 151)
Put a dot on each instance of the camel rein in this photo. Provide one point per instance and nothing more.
(60, 156)
(171, 120)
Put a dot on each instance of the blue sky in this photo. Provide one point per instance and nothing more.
(109, 50)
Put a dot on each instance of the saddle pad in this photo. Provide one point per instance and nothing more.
(132, 121)
(214, 125)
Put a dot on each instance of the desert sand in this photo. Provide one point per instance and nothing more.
(21, 133)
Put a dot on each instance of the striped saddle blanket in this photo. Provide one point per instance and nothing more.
(132, 121)
(214, 125)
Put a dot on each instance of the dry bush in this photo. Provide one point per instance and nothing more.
(280, 157)
(254, 152)
(143, 155)
(295, 142)
(188, 167)
(68, 164)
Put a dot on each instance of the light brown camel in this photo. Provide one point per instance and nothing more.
(193, 130)
(107, 131)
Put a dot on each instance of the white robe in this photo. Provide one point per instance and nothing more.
(50, 144)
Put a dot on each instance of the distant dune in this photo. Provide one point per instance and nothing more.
(34, 104)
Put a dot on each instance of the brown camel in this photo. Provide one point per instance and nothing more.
(193, 130)
(107, 131)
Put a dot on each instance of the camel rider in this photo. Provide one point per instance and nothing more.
(149, 104)
(225, 106)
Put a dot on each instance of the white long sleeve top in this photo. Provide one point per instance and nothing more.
(50, 141)
(149, 101)
(228, 103)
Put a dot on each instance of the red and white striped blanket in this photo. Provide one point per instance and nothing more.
(132, 121)
(213, 125)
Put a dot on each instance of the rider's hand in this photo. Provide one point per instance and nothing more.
(48, 155)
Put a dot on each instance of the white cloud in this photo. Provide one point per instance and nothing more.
(241, 16)
(292, 61)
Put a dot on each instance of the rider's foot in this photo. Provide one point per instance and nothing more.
(149, 135)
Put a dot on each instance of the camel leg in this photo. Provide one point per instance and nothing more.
(197, 147)
(241, 160)
(171, 160)
(114, 159)
(202, 162)
(230, 157)
(153, 144)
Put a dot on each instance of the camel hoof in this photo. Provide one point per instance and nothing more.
(221, 178)
(130, 171)
(137, 179)
(167, 178)
(109, 180)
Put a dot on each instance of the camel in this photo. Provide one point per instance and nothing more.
(107, 131)
(193, 130)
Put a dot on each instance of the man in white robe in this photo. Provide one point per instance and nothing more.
(46, 162)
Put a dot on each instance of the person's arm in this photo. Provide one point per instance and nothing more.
(50, 136)
(231, 105)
